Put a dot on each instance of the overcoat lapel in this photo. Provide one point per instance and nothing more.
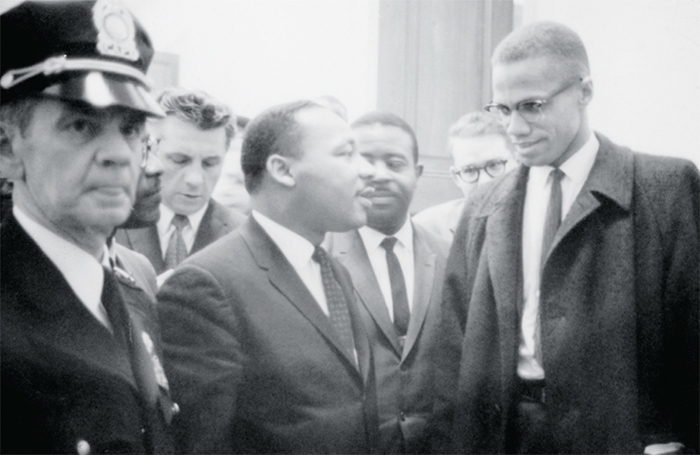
(504, 239)
(283, 277)
(611, 176)
(424, 273)
(351, 252)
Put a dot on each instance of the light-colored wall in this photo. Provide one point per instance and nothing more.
(645, 64)
(253, 54)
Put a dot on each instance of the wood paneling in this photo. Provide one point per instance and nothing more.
(434, 67)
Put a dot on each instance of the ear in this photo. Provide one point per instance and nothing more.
(279, 168)
(11, 166)
(419, 170)
(586, 91)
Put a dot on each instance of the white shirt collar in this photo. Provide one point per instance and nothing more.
(577, 167)
(82, 271)
(295, 248)
(167, 215)
(373, 238)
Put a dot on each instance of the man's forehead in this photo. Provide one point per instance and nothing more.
(478, 149)
(535, 73)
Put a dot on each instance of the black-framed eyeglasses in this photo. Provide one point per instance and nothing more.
(149, 144)
(530, 111)
(470, 174)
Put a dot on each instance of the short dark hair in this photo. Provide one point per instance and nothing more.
(544, 39)
(199, 108)
(388, 119)
(274, 131)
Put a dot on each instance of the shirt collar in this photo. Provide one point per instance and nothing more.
(167, 215)
(81, 270)
(373, 238)
(577, 167)
(295, 248)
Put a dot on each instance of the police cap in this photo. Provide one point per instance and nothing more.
(84, 50)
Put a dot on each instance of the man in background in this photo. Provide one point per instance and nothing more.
(193, 138)
(574, 278)
(397, 270)
(265, 346)
(80, 372)
(480, 151)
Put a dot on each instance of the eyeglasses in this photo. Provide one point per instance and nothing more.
(149, 144)
(470, 174)
(530, 111)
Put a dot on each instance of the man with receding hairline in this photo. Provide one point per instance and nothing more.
(573, 279)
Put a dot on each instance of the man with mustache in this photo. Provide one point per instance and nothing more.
(397, 268)
(80, 369)
(264, 344)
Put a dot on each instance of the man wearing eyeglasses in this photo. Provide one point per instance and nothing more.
(80, 371)
(573, 279)
(480, 152)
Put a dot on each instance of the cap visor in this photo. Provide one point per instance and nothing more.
(104, 90)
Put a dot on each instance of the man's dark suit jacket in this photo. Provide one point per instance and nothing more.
(216, 223)
(65, 377)
(405, 378)
(619, 304)
(254, 362)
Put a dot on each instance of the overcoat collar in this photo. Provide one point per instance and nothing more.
(285, 279)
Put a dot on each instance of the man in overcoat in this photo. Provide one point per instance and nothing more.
(573, 279)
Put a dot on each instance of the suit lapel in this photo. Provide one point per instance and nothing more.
(424, 274)
(207, 229)
(285, 279)
(351, 252)
(146, 242)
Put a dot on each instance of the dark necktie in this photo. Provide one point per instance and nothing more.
(337, 305)
(177, 250)
(402, 313)
(553, 219)
(551, 225)
(114, 305)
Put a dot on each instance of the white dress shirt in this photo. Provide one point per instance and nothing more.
(377, 257)
(539, 186)
(82, 271)
(298, 252)
(189, 232)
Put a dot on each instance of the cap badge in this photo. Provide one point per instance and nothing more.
(116, 31)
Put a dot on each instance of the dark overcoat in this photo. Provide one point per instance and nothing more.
(619, 307)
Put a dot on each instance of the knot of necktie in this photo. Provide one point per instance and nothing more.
(180, 221)
(388, 243)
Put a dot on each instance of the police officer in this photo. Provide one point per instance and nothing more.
(80, 365)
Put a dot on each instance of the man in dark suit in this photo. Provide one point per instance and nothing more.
(398, 286)
(193, 139)
(264, 343)
(80, 370)
(574, 278)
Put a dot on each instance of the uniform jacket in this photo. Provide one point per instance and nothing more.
(255, 363)
(139, 268)
(68, 383)
(405, 377)
(618, 302)
(216, 223)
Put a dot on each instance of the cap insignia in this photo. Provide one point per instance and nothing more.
(116, 35)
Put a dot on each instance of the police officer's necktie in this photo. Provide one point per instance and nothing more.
(114, 305)
(551, 225)
(402, 313)
(177, 250)
(337, 305)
